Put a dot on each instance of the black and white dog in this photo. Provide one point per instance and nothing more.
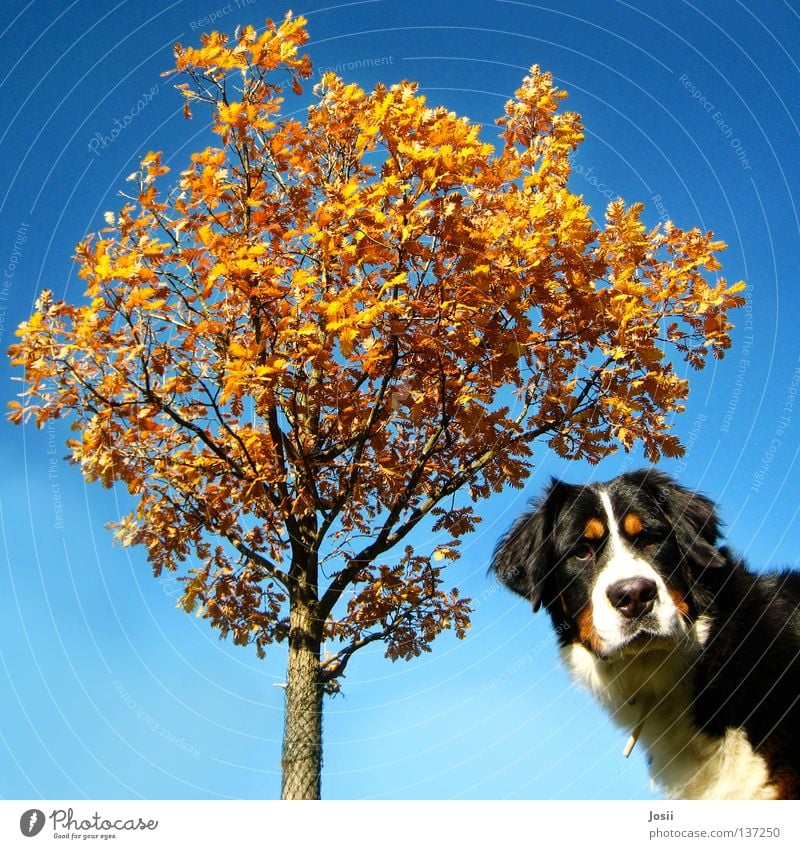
(697, 656)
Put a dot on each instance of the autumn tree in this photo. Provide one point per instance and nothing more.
(330, 326)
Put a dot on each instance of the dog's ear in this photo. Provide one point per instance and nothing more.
(693, 518)
(524, 556)
(696, 526)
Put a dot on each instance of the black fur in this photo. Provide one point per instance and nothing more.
(748, 673)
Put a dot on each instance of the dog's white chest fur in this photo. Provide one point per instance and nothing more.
(685, 763)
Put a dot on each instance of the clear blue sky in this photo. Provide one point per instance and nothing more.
(107, 690)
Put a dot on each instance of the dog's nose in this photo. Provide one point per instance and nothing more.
(633, 597)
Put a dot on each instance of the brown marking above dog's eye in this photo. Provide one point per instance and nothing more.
(594, 529)
(632, 525)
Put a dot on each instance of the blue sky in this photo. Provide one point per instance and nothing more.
(107, 690)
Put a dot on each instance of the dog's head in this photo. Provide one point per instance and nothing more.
(619, 566)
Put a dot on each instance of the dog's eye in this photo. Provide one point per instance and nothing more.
(583, 553)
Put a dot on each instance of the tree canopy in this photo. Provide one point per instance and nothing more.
(331, 324)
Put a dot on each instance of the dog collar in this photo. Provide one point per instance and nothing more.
(637, 729)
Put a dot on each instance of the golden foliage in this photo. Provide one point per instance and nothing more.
(333, 325)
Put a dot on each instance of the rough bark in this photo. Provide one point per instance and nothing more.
(302, 736)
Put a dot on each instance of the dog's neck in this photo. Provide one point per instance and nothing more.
(651, 695)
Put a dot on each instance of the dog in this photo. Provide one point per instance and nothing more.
(691, 652)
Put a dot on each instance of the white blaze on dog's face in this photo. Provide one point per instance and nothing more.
(615, 565)
(629, 600)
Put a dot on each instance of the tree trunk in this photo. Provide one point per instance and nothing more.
(302, 734)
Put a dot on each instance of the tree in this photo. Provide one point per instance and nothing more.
(331, 327)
